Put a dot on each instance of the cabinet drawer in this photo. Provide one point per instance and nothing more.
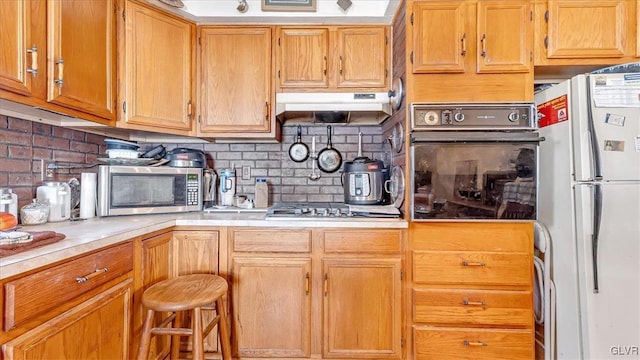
(492, 237)
(363, 241)
(272, 240)
(449, 343)
(478, 268)
(497, 308)
(39, 292)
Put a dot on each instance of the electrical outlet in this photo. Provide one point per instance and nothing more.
(246, 172)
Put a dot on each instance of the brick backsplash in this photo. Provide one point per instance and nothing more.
(288, 180)
(24, 143)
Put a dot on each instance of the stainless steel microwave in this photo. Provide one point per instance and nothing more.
(129, 190)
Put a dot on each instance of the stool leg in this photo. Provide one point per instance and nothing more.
(175, 339)
(223, 330)
(198, 342)
(145, 339)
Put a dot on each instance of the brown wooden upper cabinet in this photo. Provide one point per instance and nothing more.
(235, 82)
(330, 58)
(60, 55)
(583, 32)
(453, 37)
(638, 28)
(156, 79)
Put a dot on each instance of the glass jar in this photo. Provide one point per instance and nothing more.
(34, 214)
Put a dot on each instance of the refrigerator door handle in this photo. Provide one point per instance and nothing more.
(596, 170)
(597, 218)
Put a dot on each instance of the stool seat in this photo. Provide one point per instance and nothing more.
(193, 293)
(184, 292)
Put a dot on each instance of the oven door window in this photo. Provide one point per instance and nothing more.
(475, 180)
(136, 190)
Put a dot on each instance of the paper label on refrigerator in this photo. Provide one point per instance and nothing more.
(613, 119)
(616, 90)
(553, 111)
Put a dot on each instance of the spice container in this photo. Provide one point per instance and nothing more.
(34, 213)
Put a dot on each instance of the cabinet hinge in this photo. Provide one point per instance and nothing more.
(199, 119)
(278, 41)
(401, 274)
(546, 16)
(123, 15)
(531, 15)
(200, 40)
(124, 107)
(386, 40)
(386, 73)
(411, 57)
(402, 341)
(546, 41)
(411, 18)
(278, 74)
(530, 55)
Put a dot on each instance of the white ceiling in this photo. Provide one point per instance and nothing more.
(327, 12)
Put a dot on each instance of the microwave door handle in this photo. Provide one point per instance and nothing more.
(596, 171)
(466, 137)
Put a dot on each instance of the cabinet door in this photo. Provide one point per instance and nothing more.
(235, 80)
(505, 37)
(303, 58)
(362, 308)
(154, 267)
(587, 29)
(272, 307)
(440, 41)
(19, 61)
(638, 28)
(362, 57)
(95, 329)
(81, 55)
(157, 71)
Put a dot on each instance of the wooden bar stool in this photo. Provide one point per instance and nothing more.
(186, 293)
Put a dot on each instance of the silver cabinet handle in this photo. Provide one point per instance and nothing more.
(88, 277)
(33, 70)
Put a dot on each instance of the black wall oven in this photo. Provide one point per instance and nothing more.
(474, 161)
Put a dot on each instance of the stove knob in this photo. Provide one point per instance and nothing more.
(338, 213)
(326, 212)
(514, 116)
(314, 212)
(458, 117)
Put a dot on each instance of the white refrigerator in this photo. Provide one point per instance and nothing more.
(589, 199)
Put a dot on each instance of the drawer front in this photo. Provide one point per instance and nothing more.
(490, 237)
(472, 268)
(449, 343)
(271, 240)
(497, 308)
(39, 292)
(363, 241)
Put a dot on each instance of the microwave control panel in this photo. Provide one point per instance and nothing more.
(193, 189)
(480, 116)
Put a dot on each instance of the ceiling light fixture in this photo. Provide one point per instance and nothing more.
(344, 4)
(242, 6)
(174, 3)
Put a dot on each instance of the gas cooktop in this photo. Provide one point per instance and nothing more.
(329, 210)
(308, 210)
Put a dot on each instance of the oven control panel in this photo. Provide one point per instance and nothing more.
(473, 116)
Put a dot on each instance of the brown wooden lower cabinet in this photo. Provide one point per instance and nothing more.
(78, 309)
(316, 293)
(471, 291)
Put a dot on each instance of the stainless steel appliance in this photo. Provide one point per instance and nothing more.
(183, 157)
(127, 190)
(364, 179)
(308, 210)
(474, 161)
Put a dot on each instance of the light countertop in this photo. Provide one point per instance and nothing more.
(92, 234)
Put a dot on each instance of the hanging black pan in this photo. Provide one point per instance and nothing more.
(298, 151)
(329, 159)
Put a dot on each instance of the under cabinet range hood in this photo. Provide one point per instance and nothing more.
(334, 108)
